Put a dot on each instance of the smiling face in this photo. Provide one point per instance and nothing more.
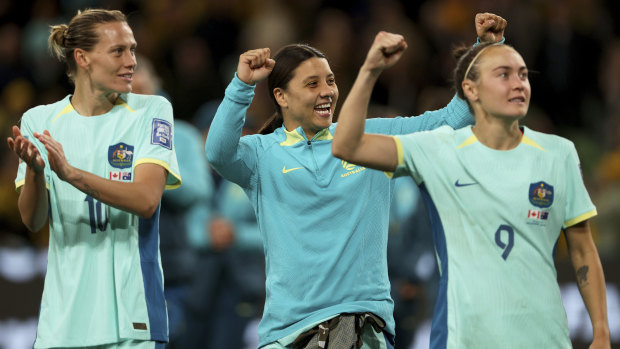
(110, 64)
(310, 98)
(503, 89)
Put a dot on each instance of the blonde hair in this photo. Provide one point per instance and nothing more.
(80, 33)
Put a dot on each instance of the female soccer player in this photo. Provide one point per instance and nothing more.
(323, 221)
(498, 195)
(95, 164)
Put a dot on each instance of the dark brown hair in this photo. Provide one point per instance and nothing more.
(287, 60)
(80, 33)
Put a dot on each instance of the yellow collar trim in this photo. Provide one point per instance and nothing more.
(69, 108)
(324, 135)
(525, 140)
(294, 137)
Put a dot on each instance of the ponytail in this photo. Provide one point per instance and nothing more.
(274, 123)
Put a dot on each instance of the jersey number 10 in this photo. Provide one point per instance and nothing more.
(97, 219)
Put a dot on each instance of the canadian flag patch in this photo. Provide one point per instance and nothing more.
(123, 176)
(536, 214)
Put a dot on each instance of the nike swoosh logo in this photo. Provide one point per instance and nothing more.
(284, 170)
(457, 184)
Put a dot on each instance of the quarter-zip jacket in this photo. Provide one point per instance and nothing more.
(323, 221)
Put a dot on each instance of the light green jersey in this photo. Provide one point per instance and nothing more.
(104, 282)
(496, 217)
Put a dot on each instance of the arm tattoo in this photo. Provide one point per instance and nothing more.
(87, 189)
(90, 191)
(582, 276)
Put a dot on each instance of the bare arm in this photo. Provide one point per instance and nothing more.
(140, 197)
(350, 142)
(33, 199)
(590, 280)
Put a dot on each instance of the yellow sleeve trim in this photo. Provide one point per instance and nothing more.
(399, 151)
(580, 218)
(164, 165)
(19, 184)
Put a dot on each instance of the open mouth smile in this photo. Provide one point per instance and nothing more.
(323, 110)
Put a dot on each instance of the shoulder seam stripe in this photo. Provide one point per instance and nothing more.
(527, 140)
(67, 109)
(469, 141)
(121, 102)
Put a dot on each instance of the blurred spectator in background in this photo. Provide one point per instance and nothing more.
(228, 286)
(607, 175)
(146, 80)
(178, 258)
(409, 242)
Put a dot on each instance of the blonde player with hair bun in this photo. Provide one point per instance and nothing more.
(94, 165)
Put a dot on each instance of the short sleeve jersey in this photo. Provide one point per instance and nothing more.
(496, 218)
(104, 281)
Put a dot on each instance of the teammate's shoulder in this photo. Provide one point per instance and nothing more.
(448, 130)
(430, 140)
(258, 138)
(442, 133)
(47, 111)
(138, 101)
(263, 141)
(547, 140)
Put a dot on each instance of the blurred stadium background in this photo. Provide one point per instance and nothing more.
(573, 46)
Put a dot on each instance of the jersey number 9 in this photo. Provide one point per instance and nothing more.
(507, 247)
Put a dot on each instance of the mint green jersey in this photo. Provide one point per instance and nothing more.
(496, 218)
(104, 282)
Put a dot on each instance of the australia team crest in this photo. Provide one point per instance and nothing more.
(541, 194)
(120, 155)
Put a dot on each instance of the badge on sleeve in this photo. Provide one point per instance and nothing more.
(162, 133)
